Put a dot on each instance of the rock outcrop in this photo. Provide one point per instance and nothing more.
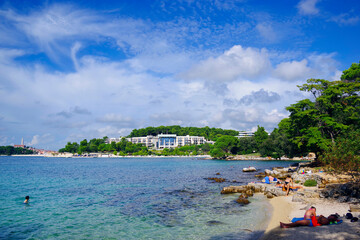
(348, 192)
(249, 169)
(328, 186)
(218, 180)
(242, 200)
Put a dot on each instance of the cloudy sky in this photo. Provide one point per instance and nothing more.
(71, 70)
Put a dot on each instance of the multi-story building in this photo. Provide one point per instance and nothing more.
(162, 141)
(245, 134)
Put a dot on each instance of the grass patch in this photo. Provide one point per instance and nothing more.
(310, 183)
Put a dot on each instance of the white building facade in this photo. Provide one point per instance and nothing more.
(245, 134)
(162, 141)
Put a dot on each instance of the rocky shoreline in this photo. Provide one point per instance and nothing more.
(339, 188)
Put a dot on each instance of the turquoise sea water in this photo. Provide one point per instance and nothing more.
(127, 198)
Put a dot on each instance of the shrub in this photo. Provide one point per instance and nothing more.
(310, 183)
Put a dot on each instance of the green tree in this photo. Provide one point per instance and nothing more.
(83, 146)
(352, 74)
(315, 125)
(227, 144)
(218, 153)
(260, 136)
(247, 145)
(71, 147)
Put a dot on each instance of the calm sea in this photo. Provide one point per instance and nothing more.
(127, 198)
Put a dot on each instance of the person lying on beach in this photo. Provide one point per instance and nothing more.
(313, 222)
(269, 179)
(26, 199)
(309, 214)
(286, 185)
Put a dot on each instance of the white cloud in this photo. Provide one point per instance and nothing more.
(4, 140)
(246, 119)
(7, 55)
(111, 117)
(237, 62)
(267, 32)
(74, 50)
(292, 71)
(110, 131)
(345, 19)
(34, 140)
(337, 76)
(40, 140)
(118, 120)
(308, 7)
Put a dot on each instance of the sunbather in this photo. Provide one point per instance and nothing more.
(286, 185)
(310, 219)
(313, 222)
(269, 179)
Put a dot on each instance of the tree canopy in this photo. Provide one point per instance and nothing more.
(319, 123)
(10, 150)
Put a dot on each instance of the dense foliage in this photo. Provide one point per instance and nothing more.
(227, 145)
(314, 126)
(10, 150)
(207, 132)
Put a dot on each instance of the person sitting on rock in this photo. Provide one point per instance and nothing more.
(286, 186)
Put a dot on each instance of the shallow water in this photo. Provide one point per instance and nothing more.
(127, 198)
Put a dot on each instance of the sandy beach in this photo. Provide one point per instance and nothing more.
(284, 210)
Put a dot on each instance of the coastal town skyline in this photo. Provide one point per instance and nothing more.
(89, 69)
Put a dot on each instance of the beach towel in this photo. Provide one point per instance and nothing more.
(291, 188)
(267, 180)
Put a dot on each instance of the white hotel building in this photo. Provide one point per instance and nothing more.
(245, 134)
(162, 141)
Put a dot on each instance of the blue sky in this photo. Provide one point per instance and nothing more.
(71, 70)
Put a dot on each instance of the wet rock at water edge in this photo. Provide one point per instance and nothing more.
(243, 195)
(242, 200)
(214, 222)
(218, 180)
(234, 189)
(269, 195)
(249, 169)
(260, 175)
(249, 193)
